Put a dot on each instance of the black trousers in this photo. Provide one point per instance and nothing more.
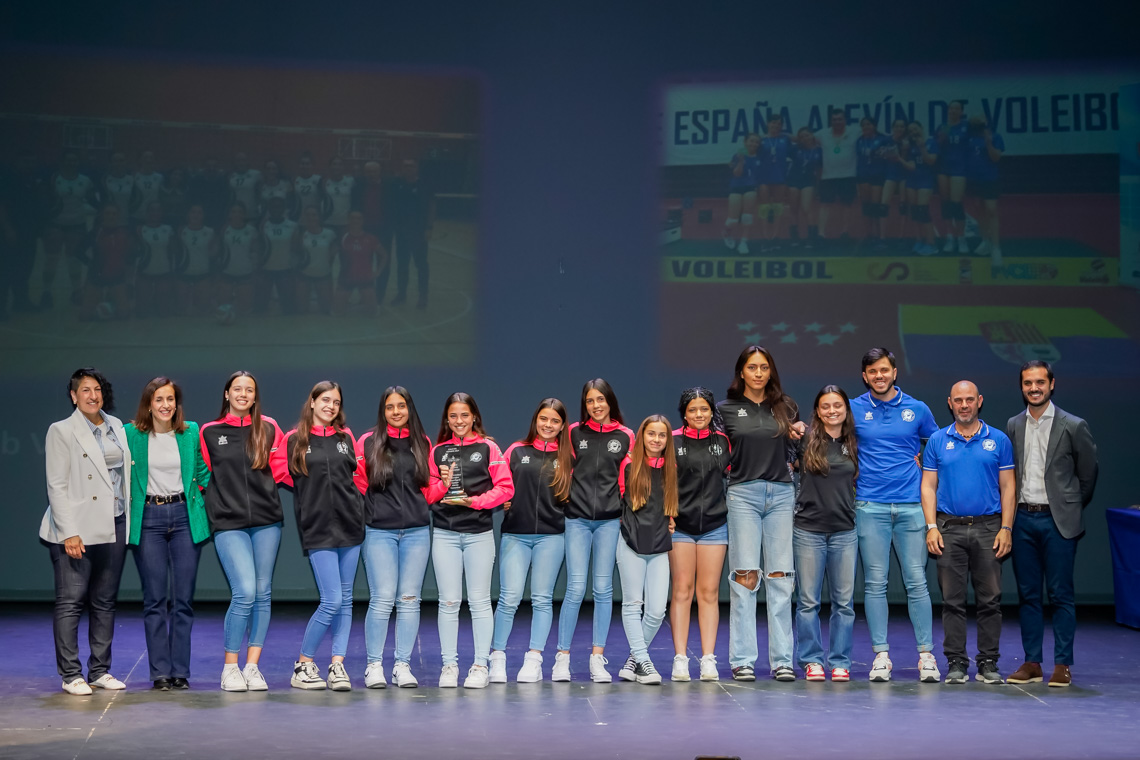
(411, 248)
(91, 583)
(968, 555)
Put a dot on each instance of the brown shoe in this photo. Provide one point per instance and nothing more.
(1029, 672)
(1061, 676)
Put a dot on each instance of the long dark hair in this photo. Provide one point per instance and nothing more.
(783, 407)
(815, 450)
(460, 397)
(560, 481)
(258, 445)
(105, 388)
(600, 385)
(638, 485)
(144, 418)
(305, 424)
(689, 395)
(380, 461)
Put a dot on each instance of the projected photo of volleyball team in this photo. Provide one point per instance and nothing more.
(342, 215)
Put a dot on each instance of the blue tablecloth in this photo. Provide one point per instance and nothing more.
(1124, 537)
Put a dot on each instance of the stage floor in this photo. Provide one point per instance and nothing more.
(1095, 718)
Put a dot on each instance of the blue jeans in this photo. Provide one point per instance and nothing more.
(167, 559)
(760, 540)
(454, 554)
(1040, 551)
(581, 536)
(644, 582)
(830, 555)
(335, 572)
(395, 562)
(879, 526)
(542, 556)
(248, 557)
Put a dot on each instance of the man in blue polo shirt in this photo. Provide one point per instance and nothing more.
(968, 490)
(890, 427)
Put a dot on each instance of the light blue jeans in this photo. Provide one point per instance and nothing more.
(248, 557)
(879, 526)
(581, 536)
(820, 555)
(335, 571)
(454, 554)
(395, 562)
(760, 539)
(541, 555)
(644, 583)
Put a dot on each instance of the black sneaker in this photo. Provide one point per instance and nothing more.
(988, 672)
(628, 671)
(743, 673)
(646, 673)
(784, 673)
(957, 671)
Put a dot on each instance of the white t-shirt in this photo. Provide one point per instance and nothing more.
(196, 245)
(149, 186)
(164, 466)
(244, 188)
(238, 250)
(308, 190)
(339, 194)
(318, 248)
(157, 240)
(278, 244)
(838, 152)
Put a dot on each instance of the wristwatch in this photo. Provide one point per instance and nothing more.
(931, 526)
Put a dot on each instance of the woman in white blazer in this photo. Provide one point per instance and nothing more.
(85, 527)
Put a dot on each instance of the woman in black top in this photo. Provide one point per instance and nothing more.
(397, 532)
(648, 484)
(761, 423)
(534, 539)
(824, 538)
(701, 539)
(318, 459)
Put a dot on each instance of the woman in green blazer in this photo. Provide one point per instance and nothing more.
(168, 526)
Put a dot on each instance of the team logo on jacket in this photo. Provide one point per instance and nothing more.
(843, 450)
(908, 415)
(680, 451)
(989, 444)
(222, 440)
(525, 460)
(716, 449)
(583, 444)
(613, 447)
(741, 412)
(476, 457)
(949, 445)
(342, 447)
(868, 416)
(308, 449)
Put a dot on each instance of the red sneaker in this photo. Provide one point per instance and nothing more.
(840, 674)
(815, 672)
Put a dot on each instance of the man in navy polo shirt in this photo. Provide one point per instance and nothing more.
(968, 500)
(890, 426)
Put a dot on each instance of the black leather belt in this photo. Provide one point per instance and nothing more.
(946, 519)
(166, 499)
(1027, 507)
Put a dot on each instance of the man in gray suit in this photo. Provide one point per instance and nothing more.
(1056, 475)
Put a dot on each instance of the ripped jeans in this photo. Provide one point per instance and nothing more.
(395, 561)
(760, 540)
(454, 556)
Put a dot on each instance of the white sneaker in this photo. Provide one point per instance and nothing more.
(681, 668)
(77, 687)
(498, 667)
(449, 677)
(108, 682)
(881, 668)
(338, 677)
(928, 668)
(307, 676)
(402, 676)
(983, 249)
(561, 671)
(949, 246)
(477, 677)
(963, 245)
(742, 246)
(253, 678)
(708, 668)
(531, 670)
(233, 679)
(374, 676)
(598, 672)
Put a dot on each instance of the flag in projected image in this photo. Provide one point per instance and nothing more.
(988, 339)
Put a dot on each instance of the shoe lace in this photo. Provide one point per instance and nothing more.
(648, 667)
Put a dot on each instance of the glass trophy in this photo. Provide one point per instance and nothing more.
(455, 493)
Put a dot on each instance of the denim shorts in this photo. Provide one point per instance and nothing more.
(714, 537)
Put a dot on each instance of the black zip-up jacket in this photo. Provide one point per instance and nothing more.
(759, 452)
(534, 508)
(327, 502)
(486, 479)
(239, 497)
(598, 452)
(646, 530)
(401, 504)
(702, 464)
